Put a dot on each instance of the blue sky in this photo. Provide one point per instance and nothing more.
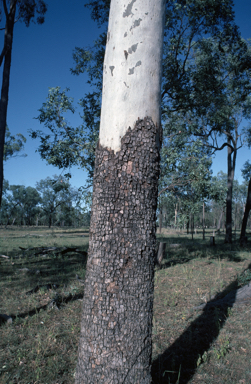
(42, 58)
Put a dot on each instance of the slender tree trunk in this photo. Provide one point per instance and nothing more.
(230, 180)
(203, 220)
(192, 224)
(246, 214)
(219, 221)
(175, 214)
(160, 220)
(5, 85)
(115, 341)
(188, 224)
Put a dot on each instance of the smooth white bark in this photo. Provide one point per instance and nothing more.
(132, 68)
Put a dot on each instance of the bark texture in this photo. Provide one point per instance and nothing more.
(8, 39)
(115, 341)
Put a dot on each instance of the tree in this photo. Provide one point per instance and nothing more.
(65, 146)
(218, 197)
(115, 340)
(13, 144)
(185, 22)
(25, 10)
(54, 192)
(20, 204)
(225, 118)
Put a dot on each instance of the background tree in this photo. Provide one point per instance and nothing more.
(20, 204)
(224, 117)
(13, 144)
(54, 192)
(185, 22)
(24, 10)
(65, 146)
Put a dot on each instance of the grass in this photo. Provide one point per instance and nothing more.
(189, 346)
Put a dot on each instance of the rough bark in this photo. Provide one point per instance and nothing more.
(246, 214)
(5, 85)
(115, 342)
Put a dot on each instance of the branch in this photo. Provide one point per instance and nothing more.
(5, 9)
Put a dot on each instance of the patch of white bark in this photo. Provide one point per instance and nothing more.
(132, 68)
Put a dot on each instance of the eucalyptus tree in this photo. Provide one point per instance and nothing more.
(26, 11)
(221, 123)
(13, 145)
(54, 192)
(22, 204)
(182, 88)
(62, 145)
(185, 168)
(115, 341)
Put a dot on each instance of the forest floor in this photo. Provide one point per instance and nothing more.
(41, 287)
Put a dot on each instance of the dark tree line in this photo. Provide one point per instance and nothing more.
(52, 202)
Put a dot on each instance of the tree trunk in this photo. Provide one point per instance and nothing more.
(219, 221)
(161, 253)
(175, 214)
(192, 224)
(5, 85)
(246, 214)
(188, 224)
(115, 341)
(203, 220)
(160, 220)
(230, 180)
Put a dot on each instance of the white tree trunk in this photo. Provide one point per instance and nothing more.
(132, 68)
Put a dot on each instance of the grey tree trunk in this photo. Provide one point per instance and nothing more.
(203, 220)
(5, 85)
(160, 220)
(246, 214)
(115, 341)
(230, 179)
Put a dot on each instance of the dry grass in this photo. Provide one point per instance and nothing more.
(40, 346)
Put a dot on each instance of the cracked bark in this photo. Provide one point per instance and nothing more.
(115, 342)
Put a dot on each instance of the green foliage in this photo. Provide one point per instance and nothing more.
(19, 203)
(13, 144)
(65, 146)
(206, 69)
(99, 10)
(246, 170)
(29, 9)
(244, 278)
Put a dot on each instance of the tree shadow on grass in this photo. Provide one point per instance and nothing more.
(57, 303)
(179, 362)
(182, 252)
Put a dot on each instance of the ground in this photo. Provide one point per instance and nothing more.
(189, 346)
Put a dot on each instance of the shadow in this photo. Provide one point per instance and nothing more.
(57, 302)
(27, 273)
(178, 363)
(179, 251)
